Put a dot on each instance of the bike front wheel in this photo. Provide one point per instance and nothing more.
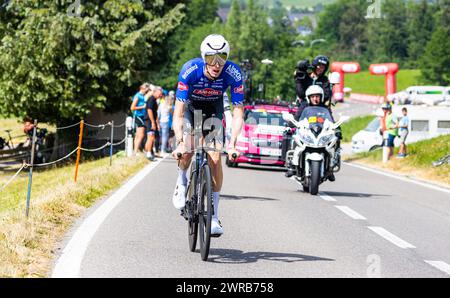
(190, 209)
(205, 210)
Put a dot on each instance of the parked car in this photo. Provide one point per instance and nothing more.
(261, 137)
(369, 138)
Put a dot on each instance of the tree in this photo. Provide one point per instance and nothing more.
(254, 40)
(436, 58)
(201, 19)
(388, 36)
(344, 27)
(283, 31)
(329, 23)
(420, 29)
(57, 67)
(233, 28)
(283, 70)
(352, 29)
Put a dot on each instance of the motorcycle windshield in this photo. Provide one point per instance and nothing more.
(316, 117)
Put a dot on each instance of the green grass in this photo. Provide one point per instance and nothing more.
(366, 83)
(421, 154)
(89, 174)
(27, 244)
(419, 160)
(350, 128)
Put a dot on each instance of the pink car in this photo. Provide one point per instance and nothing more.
(261, 137)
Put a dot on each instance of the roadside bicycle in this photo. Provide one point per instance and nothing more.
(6, 144)
(441, 161)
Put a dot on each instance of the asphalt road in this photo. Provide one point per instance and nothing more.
(353, 109)
(363, 225)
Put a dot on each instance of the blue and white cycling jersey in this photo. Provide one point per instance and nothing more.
(199, 92)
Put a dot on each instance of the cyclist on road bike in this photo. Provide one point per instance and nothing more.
(201, 86)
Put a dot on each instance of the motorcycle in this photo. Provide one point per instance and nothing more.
(314, 153)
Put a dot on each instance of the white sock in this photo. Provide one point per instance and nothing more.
(216, 197)
(148, 153)
(182, 177)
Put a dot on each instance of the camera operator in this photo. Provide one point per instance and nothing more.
(306, 75)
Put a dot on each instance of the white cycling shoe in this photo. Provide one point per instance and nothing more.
(178, 199)
(216, 228)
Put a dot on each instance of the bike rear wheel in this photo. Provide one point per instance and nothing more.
(205, 211)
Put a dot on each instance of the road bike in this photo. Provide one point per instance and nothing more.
(199, 208)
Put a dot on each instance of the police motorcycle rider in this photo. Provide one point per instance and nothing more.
(314, 96)
(306, 76)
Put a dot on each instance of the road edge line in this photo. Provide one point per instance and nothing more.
(399, 176)
(69, 262)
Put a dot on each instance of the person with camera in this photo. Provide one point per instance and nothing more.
(308, 74)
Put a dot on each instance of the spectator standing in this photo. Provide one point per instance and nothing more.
(171, 132)
(151, 121)
(403, 133)
(157, 143)
(28, 126)
(391, 127)
(164, 114)
(138, 108)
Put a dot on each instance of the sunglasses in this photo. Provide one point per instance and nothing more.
(216, 58)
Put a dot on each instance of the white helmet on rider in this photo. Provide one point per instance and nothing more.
(314, 89)
(215, 49)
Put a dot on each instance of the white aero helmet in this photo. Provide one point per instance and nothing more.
(215, 45)
(314, 89)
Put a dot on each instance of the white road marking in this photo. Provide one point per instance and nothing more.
(327, 197)
(321, 194)
(391, 237)
(350, 212)
(69, 263)
(399, 177)
(444, 267)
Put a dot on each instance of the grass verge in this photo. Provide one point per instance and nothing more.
(418, 163)
(27, 246)
(350, 128)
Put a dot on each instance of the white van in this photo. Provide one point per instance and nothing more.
(446, 101)
(424, 123)
(429, 95)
